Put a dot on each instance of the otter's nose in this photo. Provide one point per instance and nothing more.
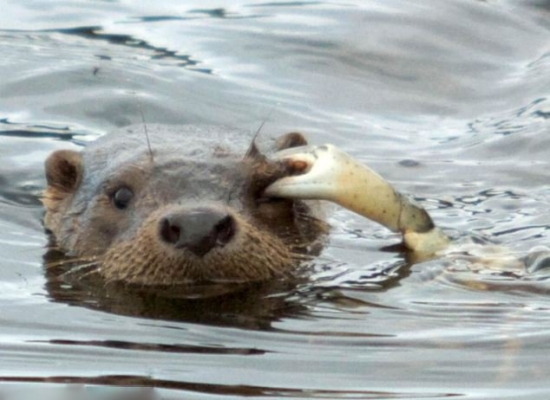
(198, 230)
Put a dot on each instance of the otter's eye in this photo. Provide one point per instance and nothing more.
(122, 197)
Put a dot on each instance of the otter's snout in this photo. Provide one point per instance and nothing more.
(198, 230)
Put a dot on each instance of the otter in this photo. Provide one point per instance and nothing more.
(181, 205)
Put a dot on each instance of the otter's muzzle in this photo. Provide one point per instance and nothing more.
(198, 230)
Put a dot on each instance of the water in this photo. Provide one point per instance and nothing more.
(448, 100)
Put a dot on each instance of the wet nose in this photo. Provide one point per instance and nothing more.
(197, 230)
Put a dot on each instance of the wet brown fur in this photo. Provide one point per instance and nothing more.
(271, 236)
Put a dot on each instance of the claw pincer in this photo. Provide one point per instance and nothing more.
(328, 173)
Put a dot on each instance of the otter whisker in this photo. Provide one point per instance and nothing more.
(253, 152)
(302, 257)
(81, 267)
(82, 271)
(146, 133)
(71, 261)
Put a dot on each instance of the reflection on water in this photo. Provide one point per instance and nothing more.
(449, 101)
(240, 305)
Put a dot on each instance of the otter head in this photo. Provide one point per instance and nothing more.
(190, 210)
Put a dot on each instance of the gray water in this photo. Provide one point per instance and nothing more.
(449, 100)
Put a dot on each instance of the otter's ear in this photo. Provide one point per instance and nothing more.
(64, 171)
(292, 139)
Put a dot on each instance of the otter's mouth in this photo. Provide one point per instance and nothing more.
(267, 173)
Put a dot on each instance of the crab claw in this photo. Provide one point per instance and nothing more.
(327, 173)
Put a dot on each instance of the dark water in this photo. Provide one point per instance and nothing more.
(448, 100)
